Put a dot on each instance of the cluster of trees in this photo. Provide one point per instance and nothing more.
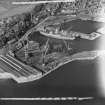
(16, 26)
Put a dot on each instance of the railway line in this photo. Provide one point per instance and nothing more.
(16, 70)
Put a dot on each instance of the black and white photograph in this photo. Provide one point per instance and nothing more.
(52, 52)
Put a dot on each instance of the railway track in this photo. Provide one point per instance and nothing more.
(16, 70)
